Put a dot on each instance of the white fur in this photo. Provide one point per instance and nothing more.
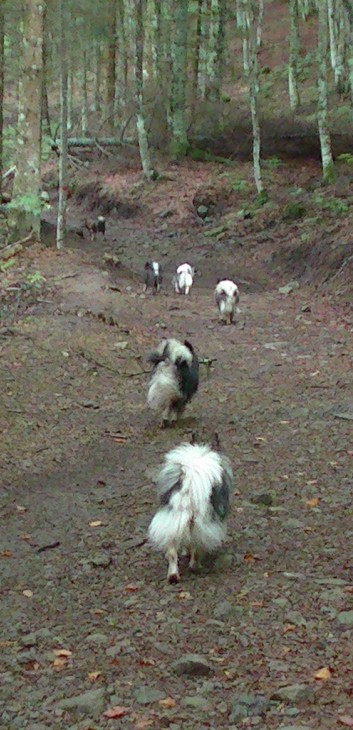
(183, 282)
(186, 269)
(187, 521)
(175, 350)
(163, 389)
(101, 218)
(155, 267)
(227, 304)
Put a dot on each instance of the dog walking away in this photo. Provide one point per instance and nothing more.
(95, 226)
(152, 276)
(227, 299)
(183, 279)
(174, 380)
(194, 487)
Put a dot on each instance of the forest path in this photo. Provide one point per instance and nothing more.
(79, 451)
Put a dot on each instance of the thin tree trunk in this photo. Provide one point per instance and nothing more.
(156, 45)
(145, 156)
(216, 49)
(122, 60)
(111, 67)
(97, 76)
(46, 127)
(260, 23)
(203, 43)
(61, 221)
(334, 9)
(328, 172)
(24, 214)
(179, 142)
(294, 50)
(70, 83)
(2, 36)
(84, 92)
(251, 23)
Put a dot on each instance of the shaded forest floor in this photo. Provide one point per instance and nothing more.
(88, 621)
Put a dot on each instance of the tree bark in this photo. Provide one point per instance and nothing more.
(294, 50)
(145, 156)
(25, 207)
(111, 66)
(216, 49)
(2, 36)
(84, 92)
(61, 221)
(252, 19)
(328, 171)
(179, 142)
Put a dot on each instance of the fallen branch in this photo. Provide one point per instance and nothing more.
(68, 276)
(51, 546)
(208, 362)
(9, 251)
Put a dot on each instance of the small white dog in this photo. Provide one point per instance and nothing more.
(227, 298)
(194, 488)
(184, 278)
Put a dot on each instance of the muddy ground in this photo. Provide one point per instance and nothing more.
(88, 621)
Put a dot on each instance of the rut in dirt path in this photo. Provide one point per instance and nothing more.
(269, 612)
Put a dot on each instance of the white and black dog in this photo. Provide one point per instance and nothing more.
(95, 226)
(152, 276)
(174, 379)
(194, 488)
(227, 298)
(183, 279)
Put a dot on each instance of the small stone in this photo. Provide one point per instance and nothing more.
(264, 498)
(293, 524)
(198, 702)
(97, 639)
(293, 693)
(281, 602)
(147, 695)
(88, 703)
(120, 345)
(295, 618)
(292, 712)
(247, 705)
(101, 560)
(193, 665)
(288, 288)
(345, 618)
(223, 609)
(163, 648)
(29, 639)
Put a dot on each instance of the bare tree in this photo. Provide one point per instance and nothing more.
(111, 67)
(294, 50)
(2, 46)
(179, 141)
(25, 206)
(250, 19)
(216, 48)
(328, 172)
(145, 156)
(61, 222)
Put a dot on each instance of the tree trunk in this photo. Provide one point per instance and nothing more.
(25, 207)
(145, 156)
(334, 9)
(156, 44)
(328, 171)
(97, 76)
(122, 61)
(46, 127)
(84, 92)
(61, 221)
(251, 22)
(204, 30)
(216, 48)
(70, 83)
(294, 50)
(179, 142)
(2, 36)
(111, 66)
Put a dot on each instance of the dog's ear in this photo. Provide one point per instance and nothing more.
(193, 438)
(147, 265)
(215, 443)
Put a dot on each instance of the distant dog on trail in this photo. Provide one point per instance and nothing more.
(183, 279)
(174, 380)
(194, 490)
(152, 276)
(95, 226)
(227, 299)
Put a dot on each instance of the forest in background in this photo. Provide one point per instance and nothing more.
(188, 78)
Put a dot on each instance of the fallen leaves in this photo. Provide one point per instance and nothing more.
(27, 593)
(93, 676)
(62, 652)
(323, 674)
(313, 502)
(184, 596)
(6, 554)
(116, 712)
(96, 523)
(167, 703)
(131, 588)
(61, 658)
(251, 558)
(346, 720)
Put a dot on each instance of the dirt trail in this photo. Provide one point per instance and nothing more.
(79, 452)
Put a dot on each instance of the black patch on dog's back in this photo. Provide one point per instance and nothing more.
(220, 497)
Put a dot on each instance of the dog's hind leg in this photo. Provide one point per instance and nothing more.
(194, 560)
(173, 571)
